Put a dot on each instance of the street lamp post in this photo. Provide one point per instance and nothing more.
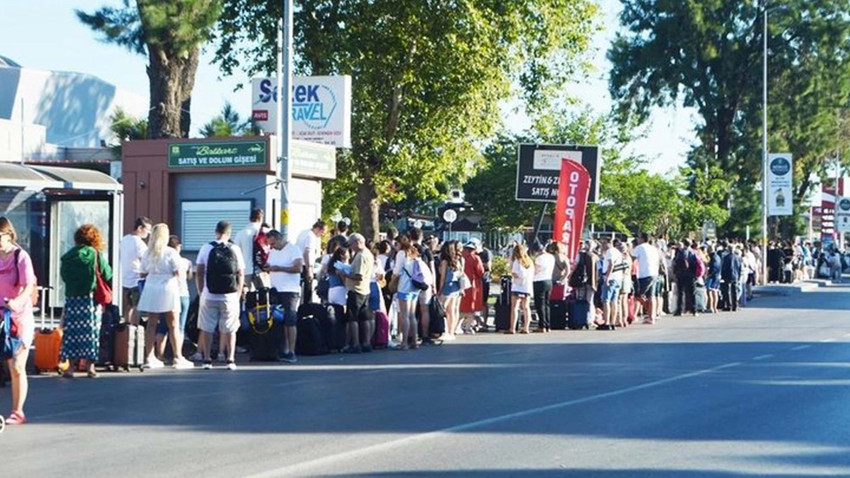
(764, 191)
(284, 112)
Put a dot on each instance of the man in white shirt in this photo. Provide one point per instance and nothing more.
(220, 275)
(613, 280)
(285, 265)
(131, 250)
(245, 241)
(649, 264)
(310, 244)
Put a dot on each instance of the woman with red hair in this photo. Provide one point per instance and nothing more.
(81, 318)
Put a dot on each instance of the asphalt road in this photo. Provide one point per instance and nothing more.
(762, 392)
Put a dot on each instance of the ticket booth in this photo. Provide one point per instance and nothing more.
(191, 184)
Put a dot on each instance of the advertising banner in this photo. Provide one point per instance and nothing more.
(539, 170)
(571, 205)
(321, 108)
(217, 155)
(780, 175)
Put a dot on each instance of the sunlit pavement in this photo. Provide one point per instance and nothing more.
(762, 392)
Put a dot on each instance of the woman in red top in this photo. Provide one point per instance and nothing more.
(472, 301)
(17, 280)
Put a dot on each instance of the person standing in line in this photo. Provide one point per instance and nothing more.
(612, 282)
(648, 266)
(544, 269)
(161, 297)
(220, 272)
(471, 298)
(184, 275)
(310, 244)
(712, 279)
(17, 281)
(730, 273)
(522, 286)
(424, 296)
(407, 298)
(360, 318)
(245, 241)
(131, 250)
(81, 316)
(486, 256)
(448, 285)
(285, 265)
(684, 263)
(626, 265)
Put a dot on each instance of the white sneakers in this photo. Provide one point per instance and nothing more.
(153, 363)
(231, 365)
(182, 364)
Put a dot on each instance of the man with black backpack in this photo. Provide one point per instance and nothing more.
(684, 267)
(220, 275)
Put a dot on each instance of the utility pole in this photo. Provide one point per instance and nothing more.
(764, 191)
(284, 113)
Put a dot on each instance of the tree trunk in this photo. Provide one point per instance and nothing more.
(368, 206)
(171, 81)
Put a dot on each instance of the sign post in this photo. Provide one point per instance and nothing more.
(780, 196)
(450, 216)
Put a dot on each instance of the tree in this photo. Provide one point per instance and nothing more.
(429, 77)
(228, 123)
(126, 128)
(170, 33)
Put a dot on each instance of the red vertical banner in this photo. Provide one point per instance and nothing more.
(571, 206)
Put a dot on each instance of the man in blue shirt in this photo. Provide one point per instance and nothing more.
(730, 273)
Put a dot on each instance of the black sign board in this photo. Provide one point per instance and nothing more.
(539, 169)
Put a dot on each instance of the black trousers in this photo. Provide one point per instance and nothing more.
(685, 293)
(542, 291)
(730, 290)
(485, 291)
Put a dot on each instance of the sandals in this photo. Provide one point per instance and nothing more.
(16, 418)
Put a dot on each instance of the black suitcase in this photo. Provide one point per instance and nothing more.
(579, 313)
(264, 336)
(331, 323)
(310, 339)
(437, 318)
(558, 314)
(503, 305)
(110, 318)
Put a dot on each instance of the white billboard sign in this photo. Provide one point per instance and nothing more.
(321, 108)
(842, 215)
(780, 174)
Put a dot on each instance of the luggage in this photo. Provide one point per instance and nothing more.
(332, 323)
(110, 318)
(129, 348)
(264, 334)
(47, 345)
(580, 314)
(382, 331)
(558, 314)
(700, 298)
(310, 340)
(437, 318)
(503, 305)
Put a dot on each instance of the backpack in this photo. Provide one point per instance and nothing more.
(680, 263)
(418, 278)
(222, 269)
(579, 276)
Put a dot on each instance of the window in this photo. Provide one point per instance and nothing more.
(199, 218)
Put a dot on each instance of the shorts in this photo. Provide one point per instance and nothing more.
(646, 287)
(611, 290)
(223, 314)
(409, 296)
(712, 283)
(626, 287)
(358, 308)
(520, 294)
(162, 327)
(289, 302)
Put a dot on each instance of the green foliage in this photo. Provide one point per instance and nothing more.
(226, 124)
(708, 55)
(429, 77)
(126, 128)
(499, 267)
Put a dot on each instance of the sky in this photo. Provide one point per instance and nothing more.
(46, 35)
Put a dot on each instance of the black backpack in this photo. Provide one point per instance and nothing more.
(579, 276)
(222, 269)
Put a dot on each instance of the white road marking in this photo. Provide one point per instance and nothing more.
(383, 447)
(67, 413)
(801, 347)
(763, 357)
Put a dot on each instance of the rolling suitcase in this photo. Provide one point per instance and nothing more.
(700, 298)
(333, 327)
(579, 313)
(437, 318)
(558, 314)
(129, 350)
(310, 340)
(110, 318)
(382, 331)
(265, 334)
(47, 343)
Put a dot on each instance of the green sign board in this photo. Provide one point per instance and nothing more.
(217, 155)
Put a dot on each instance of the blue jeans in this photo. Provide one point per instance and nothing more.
(162, 327)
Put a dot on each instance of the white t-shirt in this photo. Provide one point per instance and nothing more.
(132, 249)
(648, 260)
(307, 241)
(544, 266)
(286, 257)
(203, 258)
(183, 267)
(525, 283)
(612, 257)
(245, 241)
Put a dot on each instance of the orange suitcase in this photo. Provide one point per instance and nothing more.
(47, 343)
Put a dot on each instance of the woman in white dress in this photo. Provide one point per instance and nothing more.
(161, 296)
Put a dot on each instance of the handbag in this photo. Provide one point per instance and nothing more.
(11, 344)
(102, 290)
